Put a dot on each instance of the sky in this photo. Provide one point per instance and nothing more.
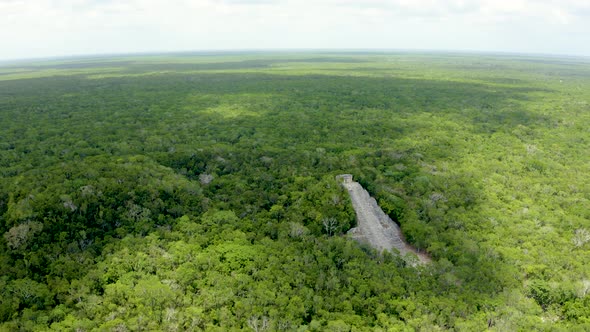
(46, 28)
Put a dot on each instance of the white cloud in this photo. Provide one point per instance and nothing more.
(31, 28)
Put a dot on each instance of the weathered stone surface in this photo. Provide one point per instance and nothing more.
(373, 225)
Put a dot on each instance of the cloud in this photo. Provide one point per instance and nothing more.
(415, 8)
(54, 27)
(252, 2)
(488, 10)
(550, 11)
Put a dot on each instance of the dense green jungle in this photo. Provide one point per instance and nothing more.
(189, 192)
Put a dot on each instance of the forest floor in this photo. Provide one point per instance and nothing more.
(374, 226)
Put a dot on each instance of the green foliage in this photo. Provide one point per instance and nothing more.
(197, 192)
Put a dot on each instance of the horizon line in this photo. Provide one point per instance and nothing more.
(213, 52)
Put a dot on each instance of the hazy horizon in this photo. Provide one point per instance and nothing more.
(300, 51)
(66, 28)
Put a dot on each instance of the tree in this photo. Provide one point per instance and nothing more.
(330, 225)
(259, 323)
(19, 236)
(581, 237)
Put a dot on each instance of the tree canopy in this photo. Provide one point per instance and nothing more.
(192, 192)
